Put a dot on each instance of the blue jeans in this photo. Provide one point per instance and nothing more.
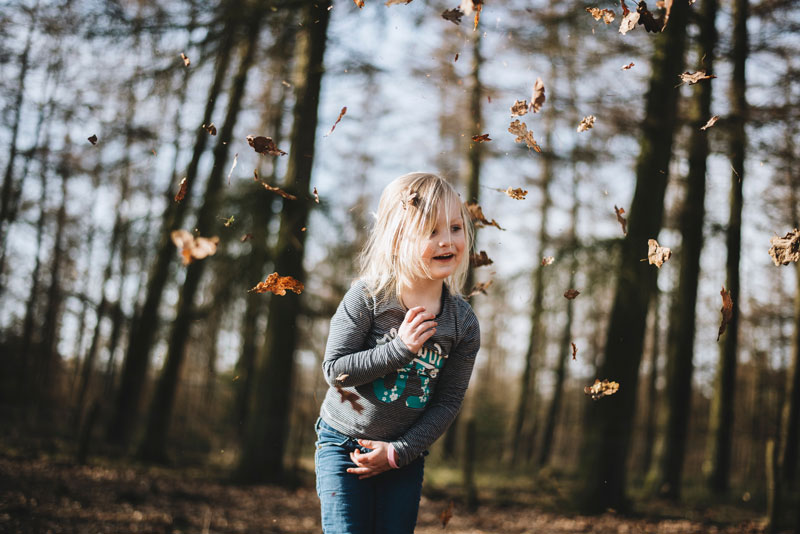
(383, 504)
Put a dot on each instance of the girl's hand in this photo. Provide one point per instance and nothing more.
(371, 463)
(418, 326)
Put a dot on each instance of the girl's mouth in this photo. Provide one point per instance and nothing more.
(444, 257)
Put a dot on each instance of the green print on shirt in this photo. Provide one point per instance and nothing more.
(426, 365)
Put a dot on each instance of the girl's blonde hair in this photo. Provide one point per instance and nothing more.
(407, 213)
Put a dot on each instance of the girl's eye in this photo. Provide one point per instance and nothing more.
(456, 228)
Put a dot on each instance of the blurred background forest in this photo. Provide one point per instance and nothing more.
(112, 348)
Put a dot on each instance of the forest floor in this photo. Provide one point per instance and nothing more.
(40, 494)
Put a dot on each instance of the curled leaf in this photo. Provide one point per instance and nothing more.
(726, 310)
(359, 3)
(186, 60)
(601, 389)
(476, 214)
(574, 351)
(538, 98)
(480, 259)
(278, 285)
(453, 15)
(182, 191)
(711, 122)
(516, 194)
(694, 77)
(482, 138)
(93, 139)
(606, 14)
(657, 255)
(480, 287)
(586, 124)
(519, 108)
(628, 22)
(245, 237)
(194, 248)
(621, 220)
(547, 260)
(264, 145)
(785, 249)
(523, 134)
(316, 196)
(341, 114)
(570, 294)
(629, 66)
(278, 190)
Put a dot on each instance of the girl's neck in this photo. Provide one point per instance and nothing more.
(424, 292)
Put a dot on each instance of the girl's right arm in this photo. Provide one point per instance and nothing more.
(346, 363)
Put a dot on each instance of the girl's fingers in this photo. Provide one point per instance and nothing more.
(412, 312)
(420, 318)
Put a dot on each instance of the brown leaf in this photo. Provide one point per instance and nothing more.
(476, 214)
(519, 108)
(352, 398)
(628, 66)
(359, 3)
(606, 14)
(279, 191)
(264, 145)
(516, 194)
(785, 249)
(341, 114)
(574, 351)
(397, 2)
(599, 389)
(537, 99)
(570, 294)
(693, 77)
(480, 259)
(547, 260)
(278, 285)
(446, 515)
(93, 139)
(628, 22)
(587, 123)
(625, 9)
(453, 15)
(727, 311)
(186, 60)
(182, 191)
(521, 131)
(211, 129)
(316, 196)
(245, 237)
(480, 287)
(478, 8)
(456, 58)
(711, 122)
(646, 18)
(482, 138)
(194, 248)
(622, 220)
(657, 255)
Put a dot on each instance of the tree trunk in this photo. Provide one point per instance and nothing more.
(154, 445)
(718, 454)
(680, 336)
(607, 437)
(651, 411)
(145, 324)
(263, 448)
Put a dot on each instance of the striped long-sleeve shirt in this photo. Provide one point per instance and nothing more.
(404, 398)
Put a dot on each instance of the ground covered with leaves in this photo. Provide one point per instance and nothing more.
(45, 495)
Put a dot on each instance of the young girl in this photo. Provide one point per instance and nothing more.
(399, 357)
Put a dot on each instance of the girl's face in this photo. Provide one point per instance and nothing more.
(442, 251)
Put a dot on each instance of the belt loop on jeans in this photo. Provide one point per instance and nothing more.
(316, 424)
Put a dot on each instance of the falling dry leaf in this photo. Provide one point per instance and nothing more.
(278, 285)
(520, 129)
(235, 160)
(480, 259)
(456, 58)
(628, 66)
(628, 22)
(186, 60)
(279, 191)
(453, 15)
(194, 248)
(478, 8)
(211, 129)
(182, 191)
(606, 14)
(693, 77)
(711, 122)
(264, 145)
(446, 515)
(480, 287)
(359, 3)
(467, 6)
(397, 2)
(785, 249)
(519, 108)
(341, 114)
(476, 214)
(570, 294)
(667, 6)
(622, 220)
(657, 255)
(538, 98)
(586, 123)
(601, 389)
(646, 18)
(93, 139)
(229, 221)
(548, 260)
(574, 351)
(727, 311)
(352, 398)
(245, 237)
(482, 138)
(516, 194)
(316, 196)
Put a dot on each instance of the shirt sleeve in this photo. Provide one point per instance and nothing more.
(344, 352)
(447, 398)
